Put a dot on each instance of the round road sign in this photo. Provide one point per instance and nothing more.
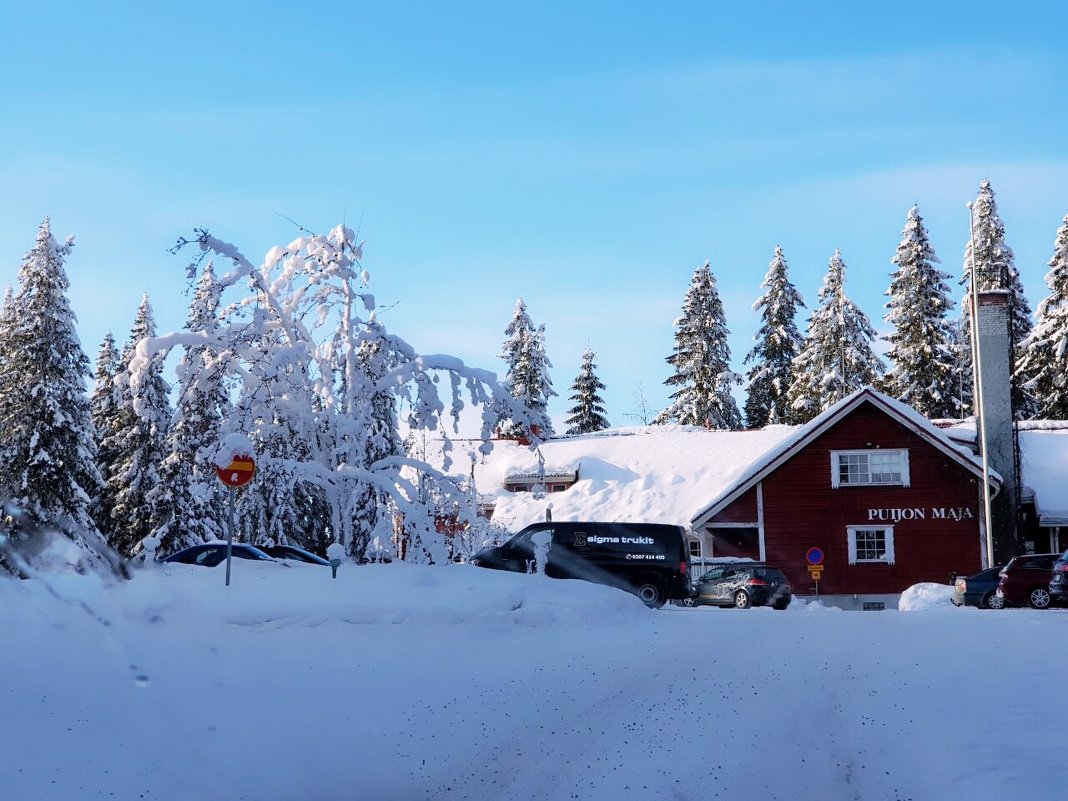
(814, 556)
(239, 472)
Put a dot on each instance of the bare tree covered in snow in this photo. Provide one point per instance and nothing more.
(315, 369)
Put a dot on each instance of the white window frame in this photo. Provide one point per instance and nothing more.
(888, 537)
(836, 473)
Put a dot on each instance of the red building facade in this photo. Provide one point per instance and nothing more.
(886, 497)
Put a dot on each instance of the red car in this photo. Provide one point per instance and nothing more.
(1025, 580)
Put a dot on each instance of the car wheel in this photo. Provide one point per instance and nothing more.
(688, 602)
(651, 595)
(1039, 598)
(742, 600)
(781, 605)
(992, 601)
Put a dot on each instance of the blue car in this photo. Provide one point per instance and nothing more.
(293, 553)
(212, 553)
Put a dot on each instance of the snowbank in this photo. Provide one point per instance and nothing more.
(926, 596)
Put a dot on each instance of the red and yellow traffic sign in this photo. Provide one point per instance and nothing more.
(239, 472)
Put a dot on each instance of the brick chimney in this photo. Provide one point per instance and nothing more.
(995, 354)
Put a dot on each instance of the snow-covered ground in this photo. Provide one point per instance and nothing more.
(402, 682)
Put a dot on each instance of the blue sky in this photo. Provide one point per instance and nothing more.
(586, 157)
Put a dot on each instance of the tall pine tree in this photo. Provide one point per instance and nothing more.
(48, 467)
(1043, 357)
(777, 344)
(995, 268)
(527, 378)
(105, 412)
(837, 357)
(923, 374)
(142, 502)
(188, 469)
(587, 415)
(701, 360)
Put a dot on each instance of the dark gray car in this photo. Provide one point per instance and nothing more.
(742, 585)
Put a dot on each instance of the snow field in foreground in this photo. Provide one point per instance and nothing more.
(411, 682)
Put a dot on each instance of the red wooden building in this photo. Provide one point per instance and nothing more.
(884, 494)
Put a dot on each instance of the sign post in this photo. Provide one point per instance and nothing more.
(814, 557)
(238, 473)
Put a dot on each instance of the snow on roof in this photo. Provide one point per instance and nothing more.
(662, 474)
(1044, 467)
(656, 474)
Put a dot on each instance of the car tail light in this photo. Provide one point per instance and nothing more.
(757, 582)
(1060, 568)
(682, 567)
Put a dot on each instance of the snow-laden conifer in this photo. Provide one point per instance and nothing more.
(188, 469)
(48, 471)
(106, 422)
(923, 372)
(995, 268)
(777, 344)
(1043, 361)
(837, 357)
(701, 360)
(587, 415)
(294, 329)
(527, 377)
(142, 503)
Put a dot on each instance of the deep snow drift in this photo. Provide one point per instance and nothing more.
(410, 682)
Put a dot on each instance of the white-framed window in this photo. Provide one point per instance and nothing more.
(871, 544)
(882, 467)
(695, 548)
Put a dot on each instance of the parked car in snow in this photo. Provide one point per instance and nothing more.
(743, 585)
(649, 559)
(979, 590)
(293, 553)
(1025, 580)
(212, 553)
(1058, 585)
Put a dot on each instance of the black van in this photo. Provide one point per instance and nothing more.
(648, 559)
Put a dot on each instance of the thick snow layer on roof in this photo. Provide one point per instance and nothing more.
(1044, 465)
(656, 474)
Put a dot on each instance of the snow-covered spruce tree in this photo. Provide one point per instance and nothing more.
(923, 372)
(142, 503)
(527, 378)
(837, 357)
(701, 359)
(48, 468)
(106, 423)
(1042, 366)
(294, 330)
(995, 268)
(587, 415)
(188, 470)
(777, 344)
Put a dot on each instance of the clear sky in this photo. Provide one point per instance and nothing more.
(584, 156)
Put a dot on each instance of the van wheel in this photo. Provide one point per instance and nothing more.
(650, 594)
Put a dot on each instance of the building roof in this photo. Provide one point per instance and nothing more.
(668, 474)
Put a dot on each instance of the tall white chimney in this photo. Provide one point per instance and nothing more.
(995, 354)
